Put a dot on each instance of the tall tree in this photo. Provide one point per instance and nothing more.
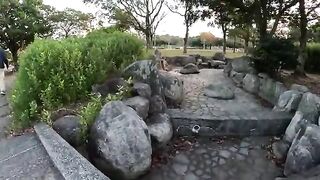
(20, 22)
(264, 13)
(307, 12)
(145, 15)
(188, 10)
(222, 13)
(70, 22)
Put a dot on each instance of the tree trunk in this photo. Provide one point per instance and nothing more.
(224, 40)
(234, 44)
(303, 40)
(185, 43)
(246, 46)
(148, 41)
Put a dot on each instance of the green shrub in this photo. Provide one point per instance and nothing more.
(55, 73)
(274, 54)
(313, 58)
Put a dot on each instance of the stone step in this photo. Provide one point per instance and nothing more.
(260, 123)
(65, 158)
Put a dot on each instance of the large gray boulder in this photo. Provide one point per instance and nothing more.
(190, 69)
(251, 83)
(110, 86)
(304, 151)
(172, 88)
(280, 149)
(270, 89)
(142, 89)
(242, 65)
(295, 125)
(299, 88)
(288, 101)
(140, 105)
(145, 71)
(219, 91)
(120, 142)
(237, 77)
(69, 128)
(160, 129)
(227, 69)
(181, 60)
(310, 107)
(219, 56)
(157, 105)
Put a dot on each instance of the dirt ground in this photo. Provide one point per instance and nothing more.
(312, 81)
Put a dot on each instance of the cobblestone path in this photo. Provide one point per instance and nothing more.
(240, 159)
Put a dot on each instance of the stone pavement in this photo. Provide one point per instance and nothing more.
(25, 158)
(242, 115)
(4, 107)
(237, 159)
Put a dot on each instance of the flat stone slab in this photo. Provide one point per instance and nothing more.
(68, 161)
(238, 159)
(244, 115)
(217, 123)
(25, 158)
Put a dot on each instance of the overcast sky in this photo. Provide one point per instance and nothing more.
(172, 24)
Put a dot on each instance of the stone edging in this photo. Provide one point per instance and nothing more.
(66, 159)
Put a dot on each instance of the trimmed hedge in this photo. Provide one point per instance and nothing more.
(313, 58)
(55, 73)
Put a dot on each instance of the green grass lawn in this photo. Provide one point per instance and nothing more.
(202, 52)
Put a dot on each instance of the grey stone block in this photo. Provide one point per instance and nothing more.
(67, 160)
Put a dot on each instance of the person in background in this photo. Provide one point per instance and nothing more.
(3, 64)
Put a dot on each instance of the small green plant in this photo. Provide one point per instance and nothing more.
(90, 112)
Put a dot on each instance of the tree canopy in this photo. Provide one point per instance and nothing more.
(20, 22)
(142, 15)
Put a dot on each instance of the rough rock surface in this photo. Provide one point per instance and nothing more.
(160, 129)
(241, 65)
(237, 77)
(219, 91)
(280, 149)
(295, 125)
(251, 83)
(227, 69)
(288, 101)
(157, 105)
(219, 56)
(140, 105)
(190, 69)
(142, 89)
(110, 86)
(120, 142)
(172, 88)
(145, 71)
(181, 60)
(299, 88)
(304, 151)
(69, 128)
(217, 64)
(310, 107)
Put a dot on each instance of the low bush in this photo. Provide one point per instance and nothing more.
(274, 54)
(55, 73)
(313, 58)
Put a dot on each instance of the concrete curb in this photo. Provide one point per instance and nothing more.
(65, 158)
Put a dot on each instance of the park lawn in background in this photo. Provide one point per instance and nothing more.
(202, 52)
